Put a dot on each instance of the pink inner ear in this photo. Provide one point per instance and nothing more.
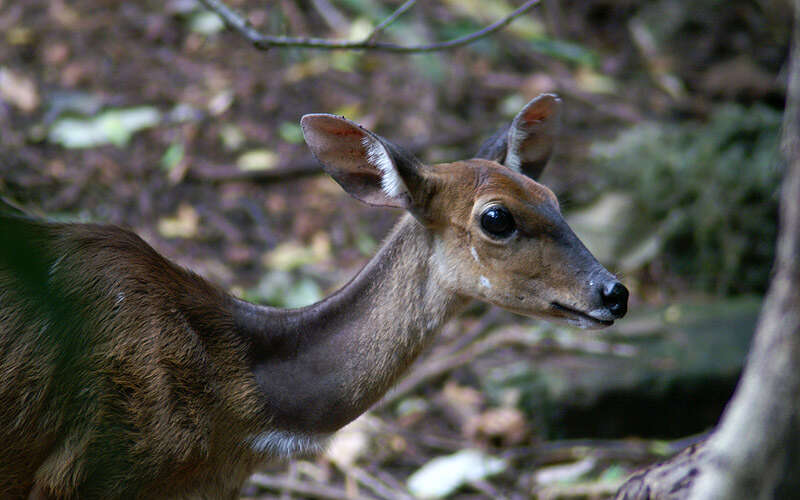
(541, 109)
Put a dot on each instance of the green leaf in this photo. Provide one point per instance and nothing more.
(232, 137)
(206, 22)
(365, 243)
(172, 156)
(291, 132)
(285, 289)
(257, 159)
(114, 126)
(302, 293)
(444, 475)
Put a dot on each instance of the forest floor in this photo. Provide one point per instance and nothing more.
(191, 137)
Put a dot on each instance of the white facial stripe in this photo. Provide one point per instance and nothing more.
(378, 157)
(474, 254)
(485, 282)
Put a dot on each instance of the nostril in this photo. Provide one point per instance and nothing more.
(615, 298)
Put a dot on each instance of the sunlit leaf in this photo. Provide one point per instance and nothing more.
(302, 293)
(595, 82)
(291, 132)
(351, 111)
(183, 224)
(281, 288)
(287, 256)
(232, 137)
(524, 26)
(565, 473)
(365, 243)
(206, 22)
(172, 156)
(257, 159)
(114, 126)
(444, 475)
(18, 89)
(614, 473)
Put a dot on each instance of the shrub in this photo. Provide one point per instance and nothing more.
(712, 190)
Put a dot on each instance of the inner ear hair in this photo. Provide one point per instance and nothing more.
(378, 156)
(526, 144)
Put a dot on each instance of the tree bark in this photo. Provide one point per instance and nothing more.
(755, 451)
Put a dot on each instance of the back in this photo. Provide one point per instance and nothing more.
(114, 364)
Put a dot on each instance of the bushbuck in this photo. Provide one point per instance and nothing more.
(123, 375)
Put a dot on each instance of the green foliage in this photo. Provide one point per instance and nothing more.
(291, 132)
(710, 189)
(172, 156)
(285, 289)
(564, 50)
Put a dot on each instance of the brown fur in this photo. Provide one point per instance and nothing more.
(97, 395)
(124, 376)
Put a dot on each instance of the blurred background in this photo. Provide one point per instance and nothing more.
(152, 115)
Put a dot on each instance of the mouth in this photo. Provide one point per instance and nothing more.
(579, 318)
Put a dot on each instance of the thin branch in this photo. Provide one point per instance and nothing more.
(263, 42)
(307, 488)
(373, 484)
(435, 367)
(389, 20)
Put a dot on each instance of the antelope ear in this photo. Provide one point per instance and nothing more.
(368, 167)
(527, 144)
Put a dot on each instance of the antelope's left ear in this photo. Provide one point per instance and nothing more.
(527, 144)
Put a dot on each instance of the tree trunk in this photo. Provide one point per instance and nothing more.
(755, 451)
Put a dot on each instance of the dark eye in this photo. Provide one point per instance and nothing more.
(497, 221)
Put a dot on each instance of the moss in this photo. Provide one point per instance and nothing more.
(719, 180)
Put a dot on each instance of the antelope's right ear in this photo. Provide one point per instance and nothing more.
(367, 166)
(525, 146)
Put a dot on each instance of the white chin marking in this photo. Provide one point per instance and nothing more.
(378, 157)
(286, 444)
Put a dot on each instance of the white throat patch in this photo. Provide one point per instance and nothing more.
(285, 444)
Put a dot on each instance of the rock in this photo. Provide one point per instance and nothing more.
(663, 373)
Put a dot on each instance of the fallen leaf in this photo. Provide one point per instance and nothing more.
(565, 473)
(351, 442)
(257, 159)
(444, 475)
(206, 22)
(114, 126)
(18, 90)
(183, 225)
(506, 424)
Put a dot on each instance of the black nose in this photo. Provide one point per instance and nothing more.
(615, 298)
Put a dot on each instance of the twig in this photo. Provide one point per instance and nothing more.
(613, 450)
(440, 365)
(305, 488)
(264, 42)
(493, 317)
(203, 171)
(389, 20)
(374, 484)
(330, 14)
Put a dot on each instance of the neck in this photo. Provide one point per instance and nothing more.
(321, 366)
